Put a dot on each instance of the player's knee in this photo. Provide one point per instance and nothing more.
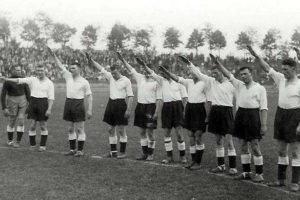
(282, 153)
(70, 130)
(82, 136)
(72, 136)
(295, 155)
(32, 128)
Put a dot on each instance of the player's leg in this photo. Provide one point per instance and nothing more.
(181, 144)
(283, 163)
(231, 155)
(192, 140)
(11, 129)
(44, 135)
(245, 160)
(72, 139)
(258, 161)
(151, 143)
(295, 148)
(123, 141)
(199, 150)
(220, 154)
(168, 146)
(79, 129)
(32, 134)
(144, 144)
(113, 141)
(20, 125)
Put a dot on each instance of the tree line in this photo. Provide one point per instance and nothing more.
(40, 29)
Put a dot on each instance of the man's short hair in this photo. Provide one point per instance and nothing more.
(115, 67)
(289, 62)
(75, 62)
(246, 67)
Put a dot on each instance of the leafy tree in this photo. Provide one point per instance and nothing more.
(45, 24)
(243, 40)
(217, 41)
(195, 40)
(89, 36)
(119, 34)
(62, 33)
(172, 38)
(208, 31)
(31, 31)
(4, 29)
(142, 39)
(270, 42)
(295, 39)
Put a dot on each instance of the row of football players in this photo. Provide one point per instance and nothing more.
(164, 92)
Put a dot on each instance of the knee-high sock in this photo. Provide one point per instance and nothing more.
(168, 146)
(32, 135)
(258, 162)
(232, 158)
(283, 163)
(44, 136)
(246, 161)
(199, 152)
(220, 153)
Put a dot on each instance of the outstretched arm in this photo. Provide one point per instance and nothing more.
(194, 69)
(297, 52)
(150, 71)
(129, 67)
(57, 61)
(220, 66)
(263, 64)
(169, 74)
(93, 63)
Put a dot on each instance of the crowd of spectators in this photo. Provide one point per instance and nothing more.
(12, 55)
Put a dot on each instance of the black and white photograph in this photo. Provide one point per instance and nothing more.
(150, 100)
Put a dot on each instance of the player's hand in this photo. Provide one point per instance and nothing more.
(48, 113)
(297, 51)
(120, 56)
(263, 130)
(163, 69)
(185, 60)
(50, 51)
(214, 59)
(127, 114)
(155, 116)
(6, 112)
(88, 56)
(206, 120)
(251, 51)
(140, 61)
(89, 115)
(298, 129)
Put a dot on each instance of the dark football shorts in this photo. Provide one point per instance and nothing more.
(247, 124)
(115, 112)
(172, 114)
(195, 115)
(143, 115)
(285, 125)
(220, 120)
(37, 109)
(74, 110)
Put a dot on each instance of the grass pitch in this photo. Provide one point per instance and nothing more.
(49, 175)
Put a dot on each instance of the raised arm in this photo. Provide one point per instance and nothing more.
(220, 66)
(263, 64)
(297, 52)
(57, 61)
(194, 69)
(168, 73)
(150, 71)
(93, 62)
(129, 67)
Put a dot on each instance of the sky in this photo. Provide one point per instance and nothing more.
(229, 16)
